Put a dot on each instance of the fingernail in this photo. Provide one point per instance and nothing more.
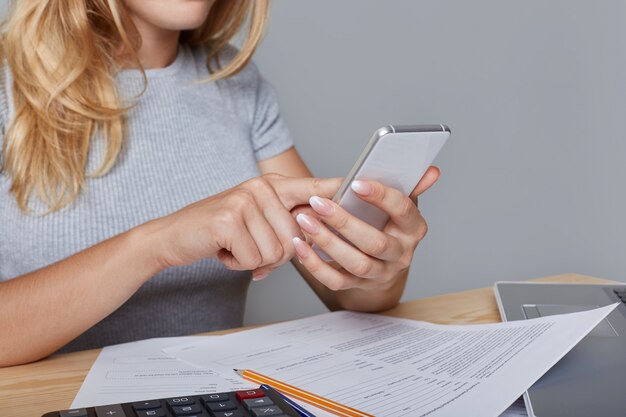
(259, 277)
(307, 223)
(321, 205)
(361, 187)
(301, 248)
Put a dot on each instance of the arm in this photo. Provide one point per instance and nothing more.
(334, 284)
(247, 227)
(55, 304)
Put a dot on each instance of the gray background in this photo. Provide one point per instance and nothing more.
(534, 94)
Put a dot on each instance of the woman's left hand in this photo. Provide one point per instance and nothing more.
(378, 258)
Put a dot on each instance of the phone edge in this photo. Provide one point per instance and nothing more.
(379, 134)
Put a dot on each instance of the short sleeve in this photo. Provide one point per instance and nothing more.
(254, 99)
(270, 134)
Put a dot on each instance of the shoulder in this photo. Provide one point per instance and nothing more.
(249, 74)
(228, 54)
(249, 96)
(242, 90)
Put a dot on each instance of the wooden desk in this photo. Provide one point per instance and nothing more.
(51, 384)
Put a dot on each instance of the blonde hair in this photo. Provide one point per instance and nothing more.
(63, 55)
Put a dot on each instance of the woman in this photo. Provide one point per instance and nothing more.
(146, 171)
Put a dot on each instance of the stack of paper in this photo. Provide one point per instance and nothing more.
(381, 365)
(141, 370)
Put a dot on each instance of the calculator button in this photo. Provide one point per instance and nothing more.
(77, 412)
(271, 410)
(110, 411)
(257, 402)
(158, 412)
(146, 405)
(221, 406)
(253, 393)
(185, 410)
(180, 401)
(212, 398)
(227, 414)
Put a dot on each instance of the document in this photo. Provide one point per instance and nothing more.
(517, 409)
(398, 367)
(141, 371)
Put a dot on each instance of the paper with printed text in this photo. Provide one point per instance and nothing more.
(398, 367)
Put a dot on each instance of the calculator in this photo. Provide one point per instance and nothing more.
(250, 403)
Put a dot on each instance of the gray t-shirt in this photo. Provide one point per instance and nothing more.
(186, 140)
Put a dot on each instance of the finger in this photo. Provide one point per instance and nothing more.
(266, 240)
(280, 220)
(400, 208)
(346, 255)
(242, 254)
(365, 237)
(304, 209)
(332, 278)
(295, 191)
(261, 273)
(428, 180)
(273, 213)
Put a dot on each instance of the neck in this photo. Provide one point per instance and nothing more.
(158, 46)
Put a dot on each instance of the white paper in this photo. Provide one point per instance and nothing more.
(518, 409)
(397, 367)
(141, 371)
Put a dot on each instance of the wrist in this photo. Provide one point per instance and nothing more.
(147, 243)
(382, 297)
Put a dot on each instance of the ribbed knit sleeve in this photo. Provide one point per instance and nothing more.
(270, 135)
(255, 99)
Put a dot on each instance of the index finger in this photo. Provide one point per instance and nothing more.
(296, 191)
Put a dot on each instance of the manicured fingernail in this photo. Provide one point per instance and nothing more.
(321, 205)
(361, 187)
(307, 223)
(301, 248)
(259, 277)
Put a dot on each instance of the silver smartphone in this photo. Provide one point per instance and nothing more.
(396, 156)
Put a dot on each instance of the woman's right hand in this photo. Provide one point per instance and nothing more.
(246, 227)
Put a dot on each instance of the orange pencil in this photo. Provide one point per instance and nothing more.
(316, 400)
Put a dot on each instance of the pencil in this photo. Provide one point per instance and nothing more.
(292, 403)
(308, 397)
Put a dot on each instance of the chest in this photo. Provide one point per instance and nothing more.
(181, 147)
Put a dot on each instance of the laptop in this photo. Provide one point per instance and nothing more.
(591, 379)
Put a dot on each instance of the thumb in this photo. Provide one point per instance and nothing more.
(296, 191)
(428, 180)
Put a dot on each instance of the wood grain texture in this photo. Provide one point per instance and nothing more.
(51, 384)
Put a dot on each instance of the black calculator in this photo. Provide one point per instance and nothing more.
(249, 403)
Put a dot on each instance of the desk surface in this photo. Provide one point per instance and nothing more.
(51, 384)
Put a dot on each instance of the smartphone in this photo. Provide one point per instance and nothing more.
(396, 156)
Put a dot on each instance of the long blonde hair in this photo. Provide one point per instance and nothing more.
(63, 55)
